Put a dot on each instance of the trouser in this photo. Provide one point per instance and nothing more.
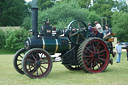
(108, 37)
(127, 56)
(100, 35)
(118, 57)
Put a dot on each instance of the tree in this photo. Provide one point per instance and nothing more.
(119, 25)
(12, 12)
(15, 39)
(84, 3)
(103, 8)
(61, 14)
(2, 39)
(94, 17)
(44, 4)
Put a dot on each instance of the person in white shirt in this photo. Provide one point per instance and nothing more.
(99, 29)
(118, 48)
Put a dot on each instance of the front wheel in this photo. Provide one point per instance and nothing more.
(37, 63)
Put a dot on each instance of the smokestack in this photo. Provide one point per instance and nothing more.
(34, 18)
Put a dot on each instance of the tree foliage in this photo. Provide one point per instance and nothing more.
(62, 13)
(12, 12)
(84, 3)
(44, 4)
(2, 38)
(27, 23)
(94, 17)
(103, 8)
(15, 39)
(119, 25)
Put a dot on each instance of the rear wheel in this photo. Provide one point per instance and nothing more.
(93, 55)
(37, 63)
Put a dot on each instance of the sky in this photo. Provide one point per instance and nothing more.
(28, 0)
(91, 1)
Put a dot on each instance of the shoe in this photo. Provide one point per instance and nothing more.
(114, 53)
(117, 62)
(111, 61)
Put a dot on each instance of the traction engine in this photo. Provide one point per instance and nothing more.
(78, 50)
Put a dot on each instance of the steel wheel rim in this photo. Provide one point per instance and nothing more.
(95, 56)
(37, 65)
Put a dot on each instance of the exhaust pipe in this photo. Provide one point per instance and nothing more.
(34, 18)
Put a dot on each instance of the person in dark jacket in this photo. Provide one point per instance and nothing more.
(127, 52)
(108, 32)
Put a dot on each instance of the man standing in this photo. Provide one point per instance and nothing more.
(118, 48)
(127, 52)
(99, 29)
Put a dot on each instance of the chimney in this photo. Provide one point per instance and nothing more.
(34, 18)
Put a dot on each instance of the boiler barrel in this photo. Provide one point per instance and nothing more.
(52, 45)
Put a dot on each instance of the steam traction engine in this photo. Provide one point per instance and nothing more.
(78, 50)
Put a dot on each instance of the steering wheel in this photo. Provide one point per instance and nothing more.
(77, 31)
(94, 31)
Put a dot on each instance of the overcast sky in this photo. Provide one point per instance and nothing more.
(28, 0)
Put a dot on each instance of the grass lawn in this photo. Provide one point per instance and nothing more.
(116, 74)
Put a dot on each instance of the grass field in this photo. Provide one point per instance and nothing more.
(116, 74)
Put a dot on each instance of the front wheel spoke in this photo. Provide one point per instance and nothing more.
(34, 70)
(37, 56)
(44, 63)
(43, 67)
(34, 57)
(30, 60)
(37, 72)
(41, 70)
(42, 59)
(30, 66)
